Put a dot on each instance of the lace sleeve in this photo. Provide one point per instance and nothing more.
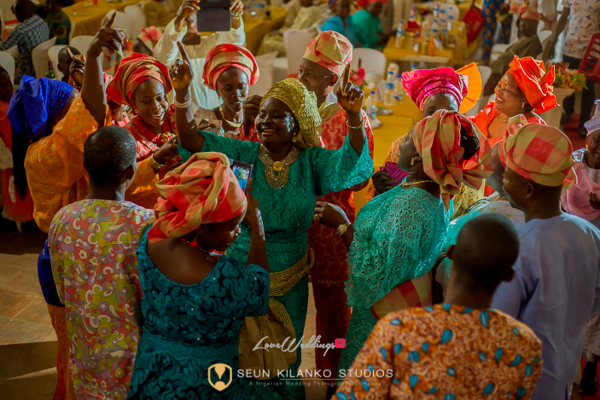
(336, 170)
(395, 241)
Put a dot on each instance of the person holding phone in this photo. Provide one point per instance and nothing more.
(184, 28)
(230, 70)
(194, 308)
(290, 171)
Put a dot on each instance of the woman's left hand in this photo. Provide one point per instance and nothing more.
(350, 98)
(236, 6)
(167, 151)
(181, 73)
(331, 215)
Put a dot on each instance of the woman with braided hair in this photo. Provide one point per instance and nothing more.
(290, 171)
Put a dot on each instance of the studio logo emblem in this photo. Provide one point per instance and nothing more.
(219, 369)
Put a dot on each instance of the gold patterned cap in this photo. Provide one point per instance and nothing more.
(304, 107)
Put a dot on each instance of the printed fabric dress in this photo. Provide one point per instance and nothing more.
(398, 236)
(189, 328)
(446, 352)
(93, 246)
(330, 270)
(287, 214)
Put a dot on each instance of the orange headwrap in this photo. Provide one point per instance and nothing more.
(330, 50)
(437, 139)
(529, 12)
(225, 56)
(540, 153)
(534, 82)
(204, 190)
(132, 71)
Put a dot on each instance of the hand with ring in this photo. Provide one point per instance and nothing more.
(330, 215)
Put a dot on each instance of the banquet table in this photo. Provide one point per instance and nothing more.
(88, 16)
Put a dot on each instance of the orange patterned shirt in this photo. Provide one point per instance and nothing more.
(446, 352)
(55, 172)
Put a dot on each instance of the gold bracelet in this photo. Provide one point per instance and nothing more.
(155, 164)
(356, 127)
(187, 103)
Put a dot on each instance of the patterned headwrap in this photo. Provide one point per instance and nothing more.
(364, 3)
(437, 139)
(594, 123)
(540, 153)
(224, 56)
(463, 85)
(528, 11)
(150, 36)
(132, 71)
(304, 107)
(202, 191)
(330, 50)
(535, 84)
(35, 103)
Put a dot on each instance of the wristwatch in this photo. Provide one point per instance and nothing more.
(341, 230)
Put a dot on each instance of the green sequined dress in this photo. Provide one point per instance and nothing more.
(287, 214)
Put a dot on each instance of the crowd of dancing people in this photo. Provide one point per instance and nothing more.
(473, 273)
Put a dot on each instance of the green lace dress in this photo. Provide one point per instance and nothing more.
(287, 214)
(398, 236)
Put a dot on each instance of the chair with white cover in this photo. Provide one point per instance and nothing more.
(8, 63)
(137, 18)
(121, 22)
(53, 55)
(265, 81)
(81, 43)
(295, 42)
(73, 25)
(372, 61)
(40, 57)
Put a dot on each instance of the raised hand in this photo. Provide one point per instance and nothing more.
(76, 69)
(111, 39)
(251, 108)
(181, 72)
(350, 98)
(187, 8)
(236, 6)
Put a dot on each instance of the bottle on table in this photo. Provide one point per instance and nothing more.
(414, 67)
(371, 108)
(400, 38)
(390, 89)
(50, 74)
(399, 89)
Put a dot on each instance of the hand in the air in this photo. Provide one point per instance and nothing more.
(383, 181)
(251, 108)
(594, 201)
(181, 72)
(112, 39)
(188, 7)
(236, 6)
(350, 97)
(77, 68)
(167, 151)
(330, 215)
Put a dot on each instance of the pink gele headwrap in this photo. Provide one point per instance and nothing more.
(421, 84)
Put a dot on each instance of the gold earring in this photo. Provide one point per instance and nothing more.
(294, 140)
(523, 105)
(412, 160)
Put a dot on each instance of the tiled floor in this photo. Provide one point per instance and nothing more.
(27, 340)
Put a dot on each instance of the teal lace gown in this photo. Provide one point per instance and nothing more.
(287, 214)
(398, 236)
(188, 328)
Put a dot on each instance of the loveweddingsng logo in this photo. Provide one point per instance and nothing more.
(219, 370)
(291, 345)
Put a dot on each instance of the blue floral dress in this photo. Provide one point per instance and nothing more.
(287, 214)
(398, 236)
(189, 328)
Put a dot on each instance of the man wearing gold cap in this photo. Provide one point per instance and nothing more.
(557, 274)
(324, 62)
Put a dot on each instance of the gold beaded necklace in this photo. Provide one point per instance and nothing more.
(407, 184)
(230, 123)
(277, 172)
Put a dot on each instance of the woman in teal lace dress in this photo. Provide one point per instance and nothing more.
(398, 235)
(289, 172)
(193, 309)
